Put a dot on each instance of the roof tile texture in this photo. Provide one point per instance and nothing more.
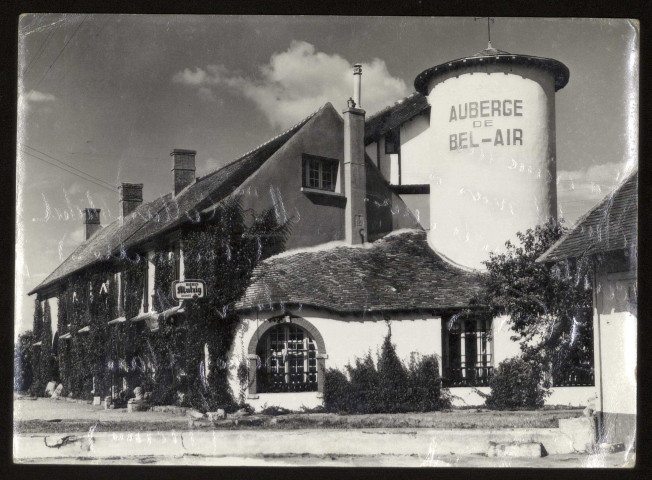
(609, 226)
(399, 272)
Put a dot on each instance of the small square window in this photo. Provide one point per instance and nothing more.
(319, 173)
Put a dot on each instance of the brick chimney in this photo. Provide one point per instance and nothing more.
(131, 196)
(183, 166)
(355, 176)
(92, 221)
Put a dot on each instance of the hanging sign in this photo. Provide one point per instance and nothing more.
(188, 289)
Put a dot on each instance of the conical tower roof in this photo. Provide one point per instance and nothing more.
(493, 56)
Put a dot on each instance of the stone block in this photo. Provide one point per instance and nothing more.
(50, 387)
(134, 405)
(97, 400)
(602, 448)
(581, 431)
(219, 415)
(516, 449)
(194, 413)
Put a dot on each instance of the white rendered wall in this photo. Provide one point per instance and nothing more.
(346, 338)
(615, 325)
(415, 142)
(485, 184)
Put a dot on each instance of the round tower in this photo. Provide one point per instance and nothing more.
(491, 150)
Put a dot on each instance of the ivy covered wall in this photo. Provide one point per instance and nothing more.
(169, 362)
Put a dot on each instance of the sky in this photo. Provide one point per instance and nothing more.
(111, 96)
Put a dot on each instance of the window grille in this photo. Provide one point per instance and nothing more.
(288, 360)
(469, 360)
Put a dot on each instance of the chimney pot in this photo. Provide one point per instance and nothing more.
(357, 85)
(183, 168)
(131, 196)
(92, 221)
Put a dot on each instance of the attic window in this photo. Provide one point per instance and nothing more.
(319, 173)
(393, 141)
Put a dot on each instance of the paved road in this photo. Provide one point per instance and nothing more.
(48, 409)
(469, 461)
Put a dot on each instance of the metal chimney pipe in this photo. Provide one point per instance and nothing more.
(357, 85)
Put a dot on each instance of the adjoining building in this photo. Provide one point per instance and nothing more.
(608, 235)
(391, 217)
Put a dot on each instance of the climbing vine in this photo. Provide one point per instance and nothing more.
(223, 253)
(169, 361)
(37, 387)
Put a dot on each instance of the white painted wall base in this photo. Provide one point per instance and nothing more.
(291, 400)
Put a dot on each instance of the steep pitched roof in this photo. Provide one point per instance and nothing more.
(167, 212)
(610, 225)
(399, 272)
(391, 117)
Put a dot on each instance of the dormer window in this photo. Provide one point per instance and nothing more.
(393, 141)
(319, 173)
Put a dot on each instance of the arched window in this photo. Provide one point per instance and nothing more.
(288, 360)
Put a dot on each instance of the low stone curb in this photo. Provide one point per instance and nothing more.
(283, 442)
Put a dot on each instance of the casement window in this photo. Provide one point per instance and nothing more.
(319, 173)
(176, 252)
(146, 286)
(467, 352)
(288, 360)
(393, 141)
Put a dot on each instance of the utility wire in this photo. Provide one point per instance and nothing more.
(113, 189)
(38, 54)
(60, 52)
(67, 165)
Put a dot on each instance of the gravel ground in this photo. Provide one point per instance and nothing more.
(59, 416)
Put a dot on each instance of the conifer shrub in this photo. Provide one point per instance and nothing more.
(23, 374)
(364, 386)
(389, 387)
(393, 382)
(426, 392)
(517, 384)
(338, 396)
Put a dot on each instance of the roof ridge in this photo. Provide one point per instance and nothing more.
(389, 107)
(262, 145)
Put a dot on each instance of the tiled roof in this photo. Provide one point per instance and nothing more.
(399, 272)
(167, 212)
(391, 117)
(611, 225)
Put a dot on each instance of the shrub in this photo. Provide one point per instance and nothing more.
(393, 383)
(517, 384)
(426, 392)
(274, 410)
(387, 389)
(23, 373)
(363, 394)
(337, 392)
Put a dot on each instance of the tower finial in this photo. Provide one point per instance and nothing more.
(490, 20)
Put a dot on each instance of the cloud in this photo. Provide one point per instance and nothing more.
(35, 96)
(298, 81)
(27, 101)
(580, 190)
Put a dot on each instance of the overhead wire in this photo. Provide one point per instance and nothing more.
(38, 54)
(60, 52)
(67, 164)
(113, 189)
